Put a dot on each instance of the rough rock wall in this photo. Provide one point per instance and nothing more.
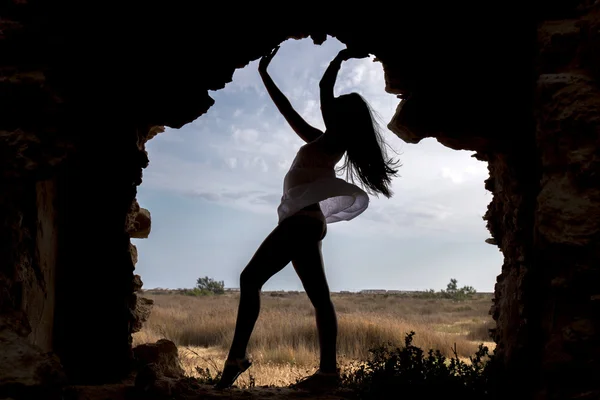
(28, 253)
(95, 281)
(39, 296)
(545, 212)
(66, 267)
(567, 226)
(510, 219)
(501, 130)
(545, 216)
(138, 225)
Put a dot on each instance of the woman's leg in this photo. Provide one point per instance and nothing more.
(272, 256)
(310, 269)
(289, 240)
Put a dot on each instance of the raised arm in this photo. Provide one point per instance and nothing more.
(327, 82)
(303, 129)
(326, 86)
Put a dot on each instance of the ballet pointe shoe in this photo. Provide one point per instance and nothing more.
(231, 371)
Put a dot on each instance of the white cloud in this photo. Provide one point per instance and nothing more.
(454, 176)
(232, 162)
(467, 172)
(245, 136)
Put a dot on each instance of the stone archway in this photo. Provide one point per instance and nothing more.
(83, 90)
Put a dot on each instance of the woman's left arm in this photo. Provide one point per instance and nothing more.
(307, 132)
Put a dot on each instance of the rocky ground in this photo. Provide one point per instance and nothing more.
(159, 376)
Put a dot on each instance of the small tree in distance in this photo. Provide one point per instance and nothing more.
(453, 292)
(209, 285)
(452, 286)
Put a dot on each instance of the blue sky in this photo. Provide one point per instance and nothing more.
(213, 187)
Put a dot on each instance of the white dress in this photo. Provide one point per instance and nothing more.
(311, 179)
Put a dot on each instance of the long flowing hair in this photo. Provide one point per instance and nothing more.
(366, 155)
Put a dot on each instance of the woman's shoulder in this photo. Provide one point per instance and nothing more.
(326, 148)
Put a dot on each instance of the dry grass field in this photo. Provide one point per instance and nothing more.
(284, 345)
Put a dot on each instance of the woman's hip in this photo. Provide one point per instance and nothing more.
(306, 225)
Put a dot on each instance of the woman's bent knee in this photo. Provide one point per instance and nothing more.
(249, 281)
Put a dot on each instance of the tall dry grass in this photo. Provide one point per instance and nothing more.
(285, 333)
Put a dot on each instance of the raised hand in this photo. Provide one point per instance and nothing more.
(266, 59)
(346, 54)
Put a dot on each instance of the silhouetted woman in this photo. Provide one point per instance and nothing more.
(313, 197)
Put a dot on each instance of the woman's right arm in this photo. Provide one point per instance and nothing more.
(307, 132)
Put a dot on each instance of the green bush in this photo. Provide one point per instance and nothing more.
(409, 372)
(210, 285)
(452, 292)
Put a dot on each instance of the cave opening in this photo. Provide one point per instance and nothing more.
(213, 185)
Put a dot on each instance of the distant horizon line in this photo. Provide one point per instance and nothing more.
(364, 291)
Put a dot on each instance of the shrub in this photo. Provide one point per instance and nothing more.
(408, 372)
(452, 292)
(207, 284)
